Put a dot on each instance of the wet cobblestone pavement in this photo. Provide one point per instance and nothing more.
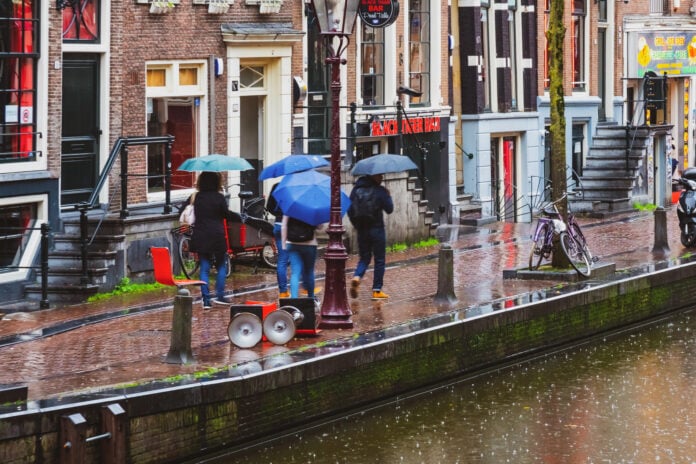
(83, 348)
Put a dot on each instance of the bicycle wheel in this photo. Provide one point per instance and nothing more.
(537, 254)
(269, 255)
(575, 254)
(580, 237)
(188, 260)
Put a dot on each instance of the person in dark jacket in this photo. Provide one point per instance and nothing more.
(283, 260)
(372, 238)
(208, 238)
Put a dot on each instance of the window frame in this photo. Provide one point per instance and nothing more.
(378, 44)
(423, 44)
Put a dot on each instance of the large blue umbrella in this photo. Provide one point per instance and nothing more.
(291, 164)
(216, 163)
(307, 196)
(383, 164)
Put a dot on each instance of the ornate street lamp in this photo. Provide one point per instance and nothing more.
(336, 19)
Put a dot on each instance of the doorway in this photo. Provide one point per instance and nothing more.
(251, 144)
(80, 134)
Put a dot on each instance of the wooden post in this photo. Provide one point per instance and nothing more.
(72, 439)
(113, 449)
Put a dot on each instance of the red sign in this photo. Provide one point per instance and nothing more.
(408, 126)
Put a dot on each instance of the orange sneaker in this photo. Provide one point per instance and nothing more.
(285, 294)
(304, 292)
(379, 295)
(354, 285)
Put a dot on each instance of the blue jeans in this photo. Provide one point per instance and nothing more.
(221, 266)
(283, 261)
(372, 241)
(302, 259)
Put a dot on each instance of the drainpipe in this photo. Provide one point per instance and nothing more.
(211, 102)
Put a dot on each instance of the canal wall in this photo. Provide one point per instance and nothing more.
(170, 423)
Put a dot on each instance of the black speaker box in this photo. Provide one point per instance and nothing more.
(309, 324)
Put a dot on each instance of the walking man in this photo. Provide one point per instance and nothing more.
(369, 199)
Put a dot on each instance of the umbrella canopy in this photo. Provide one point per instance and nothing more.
(216, 163)
(383, 164)
(291, 164)
(307, 196)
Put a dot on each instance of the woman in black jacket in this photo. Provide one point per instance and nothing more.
(208, 239)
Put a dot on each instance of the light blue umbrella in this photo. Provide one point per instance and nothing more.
(291, 164)
(383, 164)
(215, 163)
(307, 196)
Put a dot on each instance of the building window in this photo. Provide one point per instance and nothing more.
(251, 77)
(512, 21)
(19, 29)
(486, 65)
(372, 48)
(578, 44)
(81, 21)
(419, 50)
(16, 223)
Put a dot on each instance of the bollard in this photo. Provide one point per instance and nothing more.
(445, 275)
(180, 347)
(661, 241)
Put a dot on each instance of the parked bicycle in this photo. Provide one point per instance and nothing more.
(573, 242)
(249, 236)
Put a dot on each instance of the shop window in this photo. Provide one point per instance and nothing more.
(419, 50)
(372, 65)
(80, 20)
(19, 54)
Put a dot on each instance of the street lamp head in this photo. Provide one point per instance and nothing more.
(336, 17)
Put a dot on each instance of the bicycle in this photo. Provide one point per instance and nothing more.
(246, 236)
(573, 242)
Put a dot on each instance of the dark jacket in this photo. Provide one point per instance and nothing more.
(384, 199)
(209, 232)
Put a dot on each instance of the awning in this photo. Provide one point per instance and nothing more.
(260, 32)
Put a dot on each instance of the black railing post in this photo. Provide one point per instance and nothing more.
(124, 182)
(168, 177)
(84, 241)
(43, 304)
(400, 139)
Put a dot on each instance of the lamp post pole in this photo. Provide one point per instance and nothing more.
(335, 19)
(335, 311)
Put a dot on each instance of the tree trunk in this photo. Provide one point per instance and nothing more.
(555, 36)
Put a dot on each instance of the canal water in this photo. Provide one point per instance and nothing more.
(630, 398)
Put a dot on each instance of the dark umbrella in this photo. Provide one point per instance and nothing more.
(307, 196)
(383, 164)
(291, 164)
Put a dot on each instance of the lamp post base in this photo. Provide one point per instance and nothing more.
(335, 311)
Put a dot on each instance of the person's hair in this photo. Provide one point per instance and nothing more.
(209, 182)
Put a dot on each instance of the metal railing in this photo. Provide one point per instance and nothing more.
(121, 148)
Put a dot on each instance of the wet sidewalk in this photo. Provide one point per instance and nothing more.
(77, 349)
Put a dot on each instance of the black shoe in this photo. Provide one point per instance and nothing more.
(207, 305)
(222, 301)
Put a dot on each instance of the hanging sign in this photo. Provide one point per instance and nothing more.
(378, 13)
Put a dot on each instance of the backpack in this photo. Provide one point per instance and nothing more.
(364, 209)
(299, 231)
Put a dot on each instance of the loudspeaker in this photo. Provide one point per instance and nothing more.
(310, 311)
(245, 329)
(279, 326)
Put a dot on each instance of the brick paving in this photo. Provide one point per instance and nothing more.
(131, 348)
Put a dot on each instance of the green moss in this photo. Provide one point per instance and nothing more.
(125, 287)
